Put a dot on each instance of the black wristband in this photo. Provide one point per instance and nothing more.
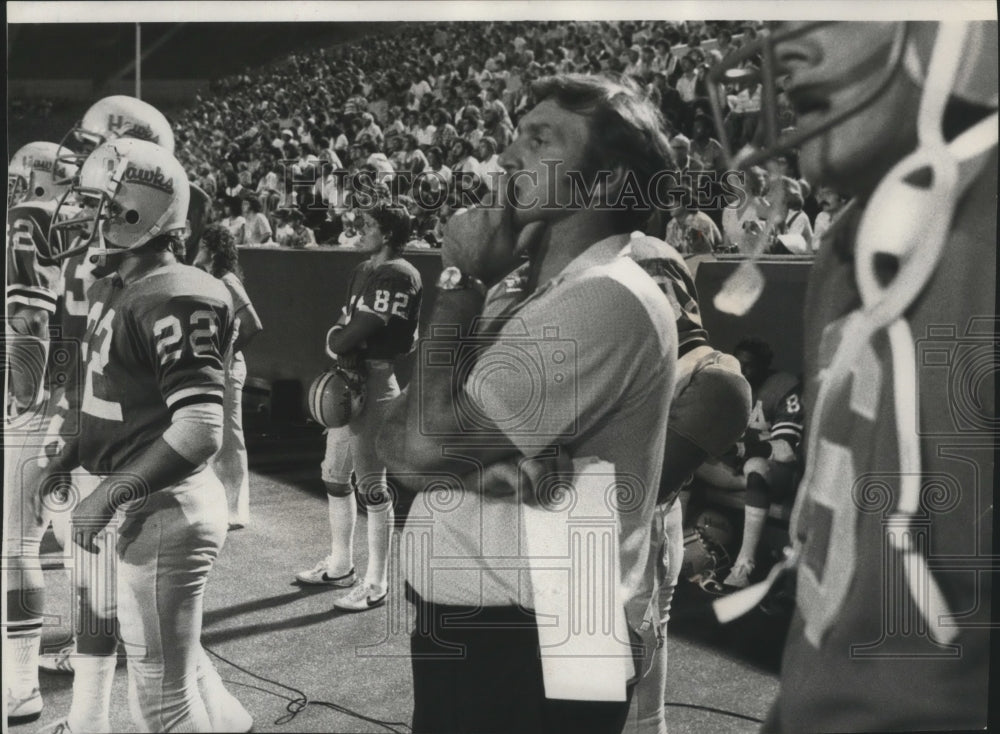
(757, 449)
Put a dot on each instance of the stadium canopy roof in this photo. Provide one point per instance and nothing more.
(98, 51)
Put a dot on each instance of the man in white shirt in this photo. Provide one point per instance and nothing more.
(613, 342)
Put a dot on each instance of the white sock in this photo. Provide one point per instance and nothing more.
(93, 677)
(753, 527)
(343, 517)
(23, 661)
(224, 710)
(379, 538)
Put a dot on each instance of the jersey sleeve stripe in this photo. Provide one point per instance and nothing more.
(179, 396)
(36, 297)
(786, 426)
(195, 400)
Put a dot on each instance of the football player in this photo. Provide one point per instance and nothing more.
(890, 632)
(121, 116)
(34, 181)
(78, 267)
(151, 418)
(764, 461)
(378, 325)
(710, 410)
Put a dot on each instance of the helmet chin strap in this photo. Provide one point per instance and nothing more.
(908, 218)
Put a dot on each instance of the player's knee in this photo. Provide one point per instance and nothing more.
(376, 496)
(756, 465)
(338, 489)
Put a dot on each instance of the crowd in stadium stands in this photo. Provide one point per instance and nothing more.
(428, 110)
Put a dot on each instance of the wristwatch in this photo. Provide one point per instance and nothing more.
(453, 279)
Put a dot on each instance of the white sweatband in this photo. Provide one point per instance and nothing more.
(333, 330)
(195, 431)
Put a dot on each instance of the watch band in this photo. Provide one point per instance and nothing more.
(453, 279)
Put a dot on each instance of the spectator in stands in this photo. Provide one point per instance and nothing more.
(463, 159)
(744, 109)
(350, 236)
(704, 148)
(496, 127)
(723, 47)
(377, 160)
(425, 129)
(217, 254)
(234, 222)
(691, 232)
(686, 85)
(444, 131)
(684, 162)
(370, 128)
(831, 203)
(414, 160)
(489, 165)
(292, 231)
(258, 229)
(234, 189)
(795, 235)
(743, 219)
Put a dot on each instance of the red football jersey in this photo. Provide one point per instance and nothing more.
(777, 410)
(391, 291)
(152, 346)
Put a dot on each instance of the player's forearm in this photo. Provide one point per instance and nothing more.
(249, 327)
(156, 468)
(193, 437)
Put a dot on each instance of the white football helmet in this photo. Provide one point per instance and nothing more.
(337, 396)
(33, 174)
(130, 191)
(115, 117)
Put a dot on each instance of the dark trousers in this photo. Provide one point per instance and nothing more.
(476, 670)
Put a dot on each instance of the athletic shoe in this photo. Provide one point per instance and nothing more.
(229, 714)
(361, 598)
(320, 575)
(739, 576)
(23, 710)
(59, 663)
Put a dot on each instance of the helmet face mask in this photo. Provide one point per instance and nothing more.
(867, 79)
(128, 192)
(35, 174)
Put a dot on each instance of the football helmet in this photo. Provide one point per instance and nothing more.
(33, 173)
(114, 117)
(337, 396)
(129, 191)
(905, 48)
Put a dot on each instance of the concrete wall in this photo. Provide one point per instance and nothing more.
(299, 293)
